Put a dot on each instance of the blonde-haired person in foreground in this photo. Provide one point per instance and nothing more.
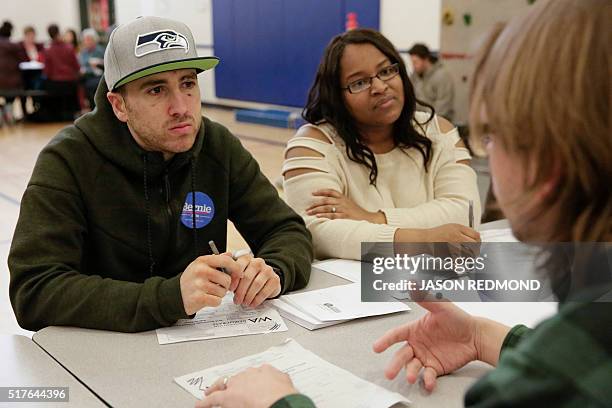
(541, 106)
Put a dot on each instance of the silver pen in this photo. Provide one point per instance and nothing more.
(470, 214)
(215, 251)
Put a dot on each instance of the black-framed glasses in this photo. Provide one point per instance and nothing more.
(385, 74)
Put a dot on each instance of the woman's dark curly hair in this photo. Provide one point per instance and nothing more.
(325, 102)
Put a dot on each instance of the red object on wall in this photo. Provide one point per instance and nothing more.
(351, 21)
(98, 15)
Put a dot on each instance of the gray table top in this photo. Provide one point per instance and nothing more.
(25, 364)
(128, 370)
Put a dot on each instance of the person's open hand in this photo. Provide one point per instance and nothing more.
(442, 341)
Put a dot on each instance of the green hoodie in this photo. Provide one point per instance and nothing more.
(105, 229)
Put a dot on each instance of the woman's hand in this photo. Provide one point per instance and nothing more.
(334, 205)
(451, 233)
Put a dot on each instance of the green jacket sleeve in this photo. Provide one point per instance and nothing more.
(294, 401)
(564, 362)
(271, 228)
(48, 285)
(514, 336)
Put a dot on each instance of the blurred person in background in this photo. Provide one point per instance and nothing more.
(32, 78)
(11, 54)
(432, 81)
(70, 37)
(62, 71)
(33, 49)
(91, 59)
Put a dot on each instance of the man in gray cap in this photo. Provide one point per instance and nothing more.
(116, 220)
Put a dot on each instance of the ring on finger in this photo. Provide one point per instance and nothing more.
(333, 209)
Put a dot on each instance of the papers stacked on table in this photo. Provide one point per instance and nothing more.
(325, 307)
(326, 384)
(226, 320)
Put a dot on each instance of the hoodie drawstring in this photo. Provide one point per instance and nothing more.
(148, 214)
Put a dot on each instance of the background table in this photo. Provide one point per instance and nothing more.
(25, 364)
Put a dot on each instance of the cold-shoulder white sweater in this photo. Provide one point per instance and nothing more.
(409, 196)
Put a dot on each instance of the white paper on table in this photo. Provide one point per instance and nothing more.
(326, 384)
(297, 316)
(498, 235)
(31, 65)
(345, 268)
(226, 320)
(340, 303)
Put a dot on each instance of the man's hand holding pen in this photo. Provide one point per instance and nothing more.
(208, 279)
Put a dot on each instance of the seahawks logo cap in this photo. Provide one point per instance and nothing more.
(149, 45)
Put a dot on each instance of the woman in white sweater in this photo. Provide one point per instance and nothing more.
(368, 167)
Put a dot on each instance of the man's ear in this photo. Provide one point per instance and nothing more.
(118, 104)
(552, 182)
